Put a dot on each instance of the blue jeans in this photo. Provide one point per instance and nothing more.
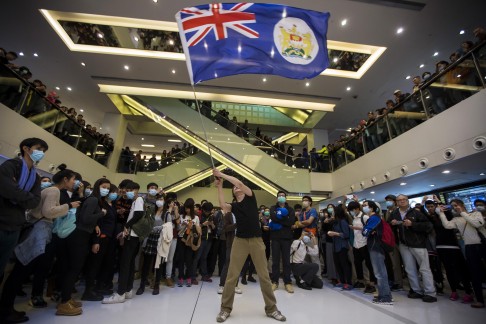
(379, 269)
(8, 241)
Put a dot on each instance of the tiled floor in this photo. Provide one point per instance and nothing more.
(200, 304)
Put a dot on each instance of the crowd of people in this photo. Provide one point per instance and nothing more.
(78, 231)
(69, 126)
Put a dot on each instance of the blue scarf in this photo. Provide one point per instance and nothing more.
(27, 177)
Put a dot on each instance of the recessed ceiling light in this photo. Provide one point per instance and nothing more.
(57, 88)
(264, 79)
(307, 84)
(82, 110)
(36, 55)
(408, 77)
(403, 183)
(339, 202)
(69, 88)
(481, 174)
(21, 53)
(436, 53)
(126, 67)
(174, 140)
(344, 22)
(335, 60)
(373, 199)
(143, 138)
(400, 30)
(462, 32)
(446, 171)
(155, 1)
(215, 128)
(100, 35)
(171, 42)
(421, 65)
(101, 127)
(148, 145)
(458, 76)
(432, 185)
(135, 38)
(187, 126)
(173, 71)
(348, 89)
(83, 64)
(372, 192)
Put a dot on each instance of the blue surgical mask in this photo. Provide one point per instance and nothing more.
(389, 203)
(366, 209)
(352, 212)
(37, 155)
(281, 200)
(113, 196)
(76, 184)
(330, 210)
(88, 192)
(130, 195)
(159, 203)
(480, 208)
(45, 185)
(306, 239)
(152, 192)
(104, 192)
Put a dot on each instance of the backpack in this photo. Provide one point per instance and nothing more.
(145, 225)
(387, 237)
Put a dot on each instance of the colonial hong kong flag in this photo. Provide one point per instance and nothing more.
(223, 39)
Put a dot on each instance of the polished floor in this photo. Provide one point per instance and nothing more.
(200, 304)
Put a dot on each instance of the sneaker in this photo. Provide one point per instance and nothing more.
(274, 286)
(189, 282)
(67, 309)
(222, 316)
(467, 299)
(369, 289)
(129, 294)
(413, 295)
(359, 285)
(243, 280)
(169, 282)
(251, 279)
(429, 299)
(338, 285)
(238, 290)
(114, 299)
(347, 287)
(38, 302)
(221, 288)
(303, 285)
(396, 287)
(289, 288)
(477, 305)
(376, 298)
(180, 283)
(382, 302)
(277, 315)
(194, 282)
(454, 296)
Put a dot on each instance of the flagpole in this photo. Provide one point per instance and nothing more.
(202, 124)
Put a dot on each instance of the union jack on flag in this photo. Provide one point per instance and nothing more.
(223, 39)
(216, 19)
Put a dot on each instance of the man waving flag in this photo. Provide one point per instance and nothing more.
(223, 39)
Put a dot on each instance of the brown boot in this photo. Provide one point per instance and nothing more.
(169, 282)
(67, 309)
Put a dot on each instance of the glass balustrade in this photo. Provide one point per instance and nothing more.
(19, 95)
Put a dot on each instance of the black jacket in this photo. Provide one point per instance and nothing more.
(414, 236)
(286, 222)
(13, 200)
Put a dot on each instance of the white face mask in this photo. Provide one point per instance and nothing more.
(306, 204)
(159, 203)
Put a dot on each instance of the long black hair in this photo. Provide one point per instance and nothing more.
(340, 214)
(96, 190)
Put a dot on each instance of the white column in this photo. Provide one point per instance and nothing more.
(115, 125)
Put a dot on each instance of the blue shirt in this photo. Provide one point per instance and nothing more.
(306, 214)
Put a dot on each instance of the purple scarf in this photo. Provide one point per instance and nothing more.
(27, 177)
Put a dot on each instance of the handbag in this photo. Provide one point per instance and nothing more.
(65, 225)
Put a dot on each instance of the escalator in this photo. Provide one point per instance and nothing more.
(226, 147)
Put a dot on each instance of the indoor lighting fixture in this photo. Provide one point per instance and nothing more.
(481, 174)
(372, 192)
(69, 88)
(462, 32)
(421, 65)
(446, 171)
(173, 71)
(83, 64)
(403, 183)
(100, 35)
(348, 89)
(264, 80)
(82, 110)
(344, 22)
(147, 145)
(400, 30)
(21, 53)
(126, 67)
(57, 88)
(307, 84)
(36, 55)
(432, 185)
(408, 77)
(174, 140)
(135, 38)
(436, 53)
(335, 60)
(171, 42)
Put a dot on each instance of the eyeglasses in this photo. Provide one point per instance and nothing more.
(402, 199)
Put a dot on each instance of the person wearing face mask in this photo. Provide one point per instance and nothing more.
(393, 258)
(264, 220)
(373, 231)
(360, 249)
(74, 249)
(305, 272)
(87, 190)
(281, 238)
(19, 190)
(45, 183)
(102, 256)
(471, 227)
(149, 250)
(36, 253)
(412, 228)
(480, 206)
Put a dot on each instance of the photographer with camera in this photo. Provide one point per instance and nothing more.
(305, 272)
